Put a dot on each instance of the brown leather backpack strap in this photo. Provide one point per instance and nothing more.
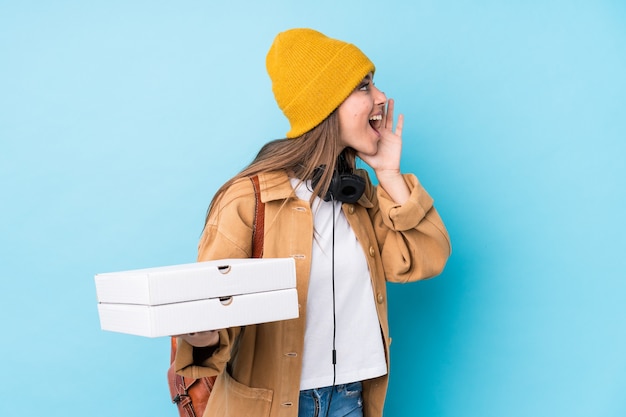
(172, 349)
(258, 232)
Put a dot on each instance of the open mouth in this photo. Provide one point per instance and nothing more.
(376, 121)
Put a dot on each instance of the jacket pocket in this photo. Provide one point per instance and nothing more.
(232, 398)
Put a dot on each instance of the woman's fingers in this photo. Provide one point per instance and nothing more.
(201, 339)
(399, 126)
(389, 114)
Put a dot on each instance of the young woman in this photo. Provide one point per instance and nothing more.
(347, 242)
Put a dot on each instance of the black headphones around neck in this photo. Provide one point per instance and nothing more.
(345, 186)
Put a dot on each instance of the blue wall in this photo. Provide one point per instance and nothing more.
(118, 121)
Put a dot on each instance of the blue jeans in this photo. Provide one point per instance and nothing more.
(346, 401)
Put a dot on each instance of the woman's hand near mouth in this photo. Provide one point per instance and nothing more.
(386, 161)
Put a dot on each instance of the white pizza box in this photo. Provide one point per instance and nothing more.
(196, 281)
(199, 315)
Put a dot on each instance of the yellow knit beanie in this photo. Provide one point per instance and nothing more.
(312, 75)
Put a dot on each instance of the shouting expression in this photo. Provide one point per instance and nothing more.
(361, 117)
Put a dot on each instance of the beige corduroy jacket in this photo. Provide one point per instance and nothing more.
(259, 366)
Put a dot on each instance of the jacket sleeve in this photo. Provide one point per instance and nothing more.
(227, 234)
(413, 241)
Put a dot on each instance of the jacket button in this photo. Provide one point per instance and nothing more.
(372, 251)
(380, 298)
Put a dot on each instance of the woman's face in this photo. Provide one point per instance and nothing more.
(361, 117)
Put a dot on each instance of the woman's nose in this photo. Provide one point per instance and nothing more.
(379, 96)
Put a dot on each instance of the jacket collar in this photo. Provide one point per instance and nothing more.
(275, 185)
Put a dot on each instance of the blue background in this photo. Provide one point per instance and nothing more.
(120, 119)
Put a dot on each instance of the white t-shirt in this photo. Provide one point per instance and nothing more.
(360, 351)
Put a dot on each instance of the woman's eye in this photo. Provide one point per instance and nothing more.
(364, 87)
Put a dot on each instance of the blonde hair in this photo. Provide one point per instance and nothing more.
(299, 157)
